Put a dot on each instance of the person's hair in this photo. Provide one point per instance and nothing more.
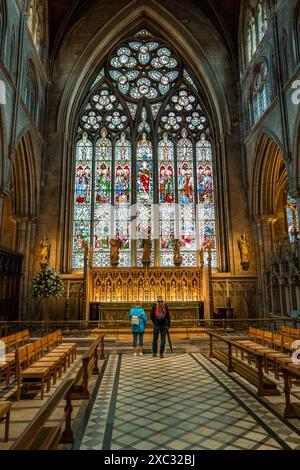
(137, 303)
(160, 298)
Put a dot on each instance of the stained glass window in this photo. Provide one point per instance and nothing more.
(143, 160)
(122, 200)
(82, 202)
(166, 180)
(144, 189)
(292, 219)
(261, 93)
(36, 22)
(256, 26)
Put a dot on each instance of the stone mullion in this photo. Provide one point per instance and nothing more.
(197, 221)
(93, 199)
(156, 214)
(134, 243)
(177, 208)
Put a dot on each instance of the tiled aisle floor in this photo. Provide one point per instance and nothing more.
(180, 402)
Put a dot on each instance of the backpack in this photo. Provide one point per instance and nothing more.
(160, 312)
(135, 320)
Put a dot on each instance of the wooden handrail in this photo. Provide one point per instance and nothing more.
(80, 391)
(30, 432)
(292, 410)
(261, 391)
(242, 347)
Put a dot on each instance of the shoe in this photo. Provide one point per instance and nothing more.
(141, 353)
(161, 355)
(135, 354)
(154, 354)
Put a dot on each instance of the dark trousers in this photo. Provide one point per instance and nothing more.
(162, 330)
(137, 335)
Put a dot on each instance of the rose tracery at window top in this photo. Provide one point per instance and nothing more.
(143, 139)
(144, 68)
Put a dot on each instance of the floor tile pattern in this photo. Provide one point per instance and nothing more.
(180, 402)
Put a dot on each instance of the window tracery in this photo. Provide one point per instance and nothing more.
(143, 140)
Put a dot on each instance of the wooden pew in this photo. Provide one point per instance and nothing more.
(37, 436)
(5, 408)
(79, 390)
(265, 386)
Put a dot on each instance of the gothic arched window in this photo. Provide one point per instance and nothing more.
(261, 93)
(262, 19)
(292, 218)
(256, 27)
(143, 163)
(36, 22)
(31, 92)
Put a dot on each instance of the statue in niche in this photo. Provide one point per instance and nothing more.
(44, 252)
(147, 246)
(115, 247)
(177, 258)
(243, 244)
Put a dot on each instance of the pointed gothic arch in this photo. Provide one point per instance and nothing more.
(212, 94)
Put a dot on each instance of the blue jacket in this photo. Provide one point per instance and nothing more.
(140, 328)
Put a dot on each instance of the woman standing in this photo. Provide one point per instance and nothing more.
(138, 323)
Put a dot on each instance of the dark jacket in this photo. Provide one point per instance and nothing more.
(166, 322)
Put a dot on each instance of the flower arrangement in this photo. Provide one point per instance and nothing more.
(47, 283)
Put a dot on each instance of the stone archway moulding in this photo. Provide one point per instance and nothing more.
(130, 18)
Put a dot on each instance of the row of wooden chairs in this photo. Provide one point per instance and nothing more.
(14, 341)
(277, 349)
(38, 362)
(291, 332)
(7, 353)
(276, 341)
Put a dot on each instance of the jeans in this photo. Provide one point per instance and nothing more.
(135, 337)
(163, 332)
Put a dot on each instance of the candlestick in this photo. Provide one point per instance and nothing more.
(227, 288)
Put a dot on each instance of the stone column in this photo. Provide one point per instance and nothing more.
(298, 297)
(25, 228)
(265, 237)
(2, 196)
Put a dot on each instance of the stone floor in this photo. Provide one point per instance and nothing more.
(182, 402)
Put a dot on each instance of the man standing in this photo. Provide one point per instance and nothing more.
(161, 320)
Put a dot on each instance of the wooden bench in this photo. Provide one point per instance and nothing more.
(5, 408)
(265, 386)
(79, 390)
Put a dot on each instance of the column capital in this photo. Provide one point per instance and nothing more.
(3, 193)
(270, 219)
(17, 218)
(12, 151)
(296, 195)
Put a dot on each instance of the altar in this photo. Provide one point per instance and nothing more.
(111, 291)
(107, 312)
(145, 284)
